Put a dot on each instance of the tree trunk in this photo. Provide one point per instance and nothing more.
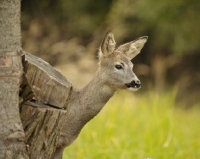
(12, 135)
(31, 130)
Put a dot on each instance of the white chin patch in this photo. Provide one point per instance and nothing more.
(133, 89)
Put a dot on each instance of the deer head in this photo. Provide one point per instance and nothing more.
(115, 64)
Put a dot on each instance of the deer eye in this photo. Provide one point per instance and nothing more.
(119, 67)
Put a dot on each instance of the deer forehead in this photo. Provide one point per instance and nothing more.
(121, 59)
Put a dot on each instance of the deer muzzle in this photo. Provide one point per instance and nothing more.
(134, 84)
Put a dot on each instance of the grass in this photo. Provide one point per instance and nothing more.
(140, 127)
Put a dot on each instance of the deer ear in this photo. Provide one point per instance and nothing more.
(108, 45)
(133, 48)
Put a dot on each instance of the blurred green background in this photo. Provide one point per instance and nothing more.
(159, 121)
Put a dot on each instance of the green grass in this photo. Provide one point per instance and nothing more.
(138, 127)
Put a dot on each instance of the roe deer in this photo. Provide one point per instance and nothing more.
(114, 72)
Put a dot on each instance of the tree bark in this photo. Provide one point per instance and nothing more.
(12, 136)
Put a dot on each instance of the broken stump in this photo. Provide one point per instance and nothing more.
(43, 82)
(42, 125)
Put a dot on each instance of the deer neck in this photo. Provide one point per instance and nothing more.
(84, 104)
(93, 96)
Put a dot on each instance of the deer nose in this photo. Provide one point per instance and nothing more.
(134, 84)
(138, 83)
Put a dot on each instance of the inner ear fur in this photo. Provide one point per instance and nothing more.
(133, 48)
(108, 45)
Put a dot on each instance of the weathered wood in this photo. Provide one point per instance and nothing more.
(43, 82)
(42, 126)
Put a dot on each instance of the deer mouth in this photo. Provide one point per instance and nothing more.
(133, 85)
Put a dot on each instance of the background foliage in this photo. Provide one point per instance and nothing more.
(66, 31)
